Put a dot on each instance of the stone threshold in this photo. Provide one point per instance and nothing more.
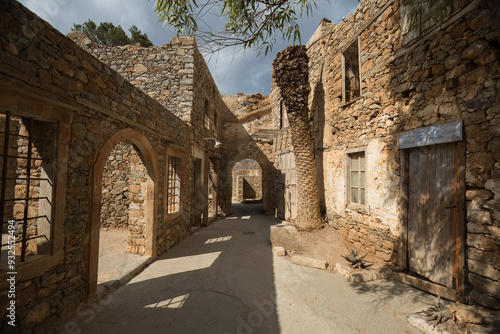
(124, 276)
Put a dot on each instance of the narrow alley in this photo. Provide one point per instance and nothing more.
(225, 279)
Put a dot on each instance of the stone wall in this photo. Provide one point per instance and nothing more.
(176, 75)
(247, 133)
(46, 75)
(449, 73)
(123, 193)
(247, 180)
(163, 72)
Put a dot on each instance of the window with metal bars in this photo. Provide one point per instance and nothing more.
(357, 178)
(28, 154)
(174, 183)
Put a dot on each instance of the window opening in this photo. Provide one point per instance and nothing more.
(174, 184)
(357, 184)
(207, 119)
(352, 82)
(27, 188)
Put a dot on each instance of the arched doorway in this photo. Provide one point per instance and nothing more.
(247, 181)
(124, 199)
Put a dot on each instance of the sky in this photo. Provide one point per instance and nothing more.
(242, 71)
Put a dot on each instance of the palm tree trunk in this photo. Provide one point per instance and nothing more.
(292, 76)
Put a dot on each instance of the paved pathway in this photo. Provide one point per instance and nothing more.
(225, 279)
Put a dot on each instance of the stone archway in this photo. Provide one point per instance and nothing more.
(247, 181)
(150, 199)
(226, 182)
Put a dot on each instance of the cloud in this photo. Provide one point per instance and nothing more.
(241, 71)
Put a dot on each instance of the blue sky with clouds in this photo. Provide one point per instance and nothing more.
(234, 72)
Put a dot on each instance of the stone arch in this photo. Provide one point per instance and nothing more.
(267, 181)
(247, 181)
(150, 202)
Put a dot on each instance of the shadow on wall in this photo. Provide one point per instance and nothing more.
(318, 129)
(240, 144)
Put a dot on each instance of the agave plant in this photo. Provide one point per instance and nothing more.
(437, 311)
(355, 260)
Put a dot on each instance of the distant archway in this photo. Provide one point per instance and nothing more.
(149, 194)
(247, 181)
(268, 173)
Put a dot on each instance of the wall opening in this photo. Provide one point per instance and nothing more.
(122, 235)
(247, 181)
(351, 83)
(28, 170)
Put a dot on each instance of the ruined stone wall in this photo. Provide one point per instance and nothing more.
(450, 73)
(44, 74)
(123, 193)
(115, 199)
(247, 134)
(247, 180)
(165, 73)
(176, 75)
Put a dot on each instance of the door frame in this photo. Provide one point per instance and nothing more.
(444, 136)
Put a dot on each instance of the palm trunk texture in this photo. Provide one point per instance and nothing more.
(292, 76)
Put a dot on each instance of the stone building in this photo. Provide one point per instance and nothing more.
(405, 127)
(247, 133)
(71, 120)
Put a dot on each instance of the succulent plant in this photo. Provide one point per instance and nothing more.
(437, 311)
(355, 260)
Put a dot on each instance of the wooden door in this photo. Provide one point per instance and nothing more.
(198, 193)
(432, 212)
(287, 187)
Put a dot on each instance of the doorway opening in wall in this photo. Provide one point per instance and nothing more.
(123, 216)
(247, 182)
(213, 207)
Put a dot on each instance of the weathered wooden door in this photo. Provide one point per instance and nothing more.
(287, 186)
(199, 203)
(432, 212)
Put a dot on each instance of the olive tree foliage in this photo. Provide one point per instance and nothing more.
(108, 34)
(249, 24)
(258, 24)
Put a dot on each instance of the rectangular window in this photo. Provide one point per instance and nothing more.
(28, 170)
(207, 117)
(351, 81)
(357, 178)
(282, 115)
(174, 170)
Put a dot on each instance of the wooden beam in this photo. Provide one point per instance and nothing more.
(427, 286)
(431, 135)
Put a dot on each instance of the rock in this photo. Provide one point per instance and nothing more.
(481, 242)
(452, 61)
(484, 299)
(309, 262)
(279, 251)
(478, 194)
(484, 269)
(37, 314)
(485, 285)
(475, 49)
(140, 68)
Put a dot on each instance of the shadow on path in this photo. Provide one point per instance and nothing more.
(220, 280)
